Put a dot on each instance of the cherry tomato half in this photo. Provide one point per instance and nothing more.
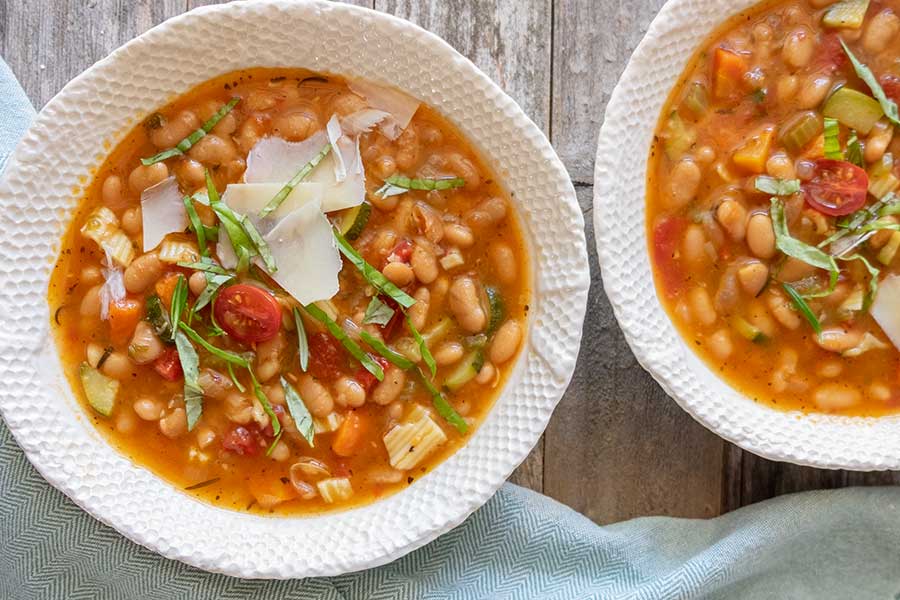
(248, 313)
(837, 187)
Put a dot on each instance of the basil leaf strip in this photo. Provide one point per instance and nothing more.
(193, 393)
(179, 300)
(371, 274)
(262, 247)
(274, 443)
(797, 249)
(229, 357)
(381, 348)
(874, 272)
(264, 400)
(185, 144)
(397, 184)
(302, 342)
(854, 150)
(196, 225)
(302, 174)
(832, 139)
(208, 267)
(352, 347)
(443, 407)
(863, 72)
(159, 319)
(214, 283)
(775, 186)
(378, 312)
(423, 347)
(803, 307)
(303, 421)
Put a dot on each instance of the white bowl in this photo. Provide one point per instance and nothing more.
(99, 106)
(826, 441)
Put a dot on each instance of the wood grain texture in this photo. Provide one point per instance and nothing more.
(510, 41)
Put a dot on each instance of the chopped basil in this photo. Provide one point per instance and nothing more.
(179, 301)
(302, 342)
(190, 364)
(227, 356)
(302, 174)
(399, 184)
(832, 139)
(303, 421)
(776, 186)
(237, 383)
(381, 348)
(798, 249)
(444, 408)
(352, 347)
(196, 225)
(880, 224)
(378, 312)
(803, 307)
(874, 272)
(863, 72)
(423, 347)
(208, 266)
(854, 150)
(214, 283)
(373, 275)
(261, 246)
(159, 318)
(264, 400)
(274, 443)
(185, 144)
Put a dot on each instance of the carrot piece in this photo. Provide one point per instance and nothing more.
(123, 318)
(165, 288)
(753, 155)
(270, 492)
(728, 74)
(350, 434)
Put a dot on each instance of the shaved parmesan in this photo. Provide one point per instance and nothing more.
(274, 160)
(249, 198)
(362, 121)
(400, 106)
(304, 248)
(113, 288)
(334, 135)
(162, 212)
(885, 308)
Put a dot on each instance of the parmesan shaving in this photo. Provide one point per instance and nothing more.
(334, 135)
(362, 121)
(162, 212)
(400, 106)
(113, 288)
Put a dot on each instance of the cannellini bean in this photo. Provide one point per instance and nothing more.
(296, 126)
(118, 366)
(877, 142)
(197, 282)
(466, 305)
(486, 375)
(720, 345)
(880, 31)
(794, 270)
(786, 87)
(732, 216)
(269, 356)
(459, 235)
(838, 339)
(782, 309)
(813, 91)
(281, 452)
(798, 48)
(418, 312)
(879, 391)
(401, 274)
(145, 345)
(780, 165)
(251, 131)
(238, 408)
(90, 275)
(408, 149)
(693, 246)
(464, 168)
(316, 396)
(175, 129)
(90, 302)
(830, 368)
(490, 212)
(759, 318)
(761, 236)
(836, 396)
(349, 392)
(142, 273)
(190, 173)
(424, 264)
(174, 424)
(125, 422)
(205, 436)
(213, 150)
(448, 353)
(132, 221)
(93, 353)
(143, 177)
(684, 183)
(428, 222)
(753, 277)
(389, 390)
(506, 342)
(226, 125)
(504, 261)
(215, 385)
(149, 409)
(112, 193)
(701, 306)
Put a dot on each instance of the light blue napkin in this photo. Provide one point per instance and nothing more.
(521, 545)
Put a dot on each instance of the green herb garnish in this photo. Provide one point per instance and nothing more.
(179, 301)
(274, 443)
(261, 246)
(776, 186)
(854, 150)
(443, 407)
(874, 272)
(384, 350)
(399, 184)
(373, 275)
(159, 318)
(185, 144)
(352, 347)
(423, 347)
(798, 249)
(302, 342)
(302, 174)
(832, 139)
(190, 365)
(303, 421)
(863, 72)
(803, 307)
(264, 400)
(377, 312)
(196, 225)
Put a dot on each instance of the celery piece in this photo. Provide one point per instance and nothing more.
(797, 133)
(677, 137)
(846, 14)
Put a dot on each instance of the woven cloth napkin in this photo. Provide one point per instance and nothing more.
(520, 545)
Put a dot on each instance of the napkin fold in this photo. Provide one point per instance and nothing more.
(520, 545)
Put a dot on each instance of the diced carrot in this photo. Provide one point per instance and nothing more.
(271, 491)
(165, 288)
(350, 434)
(728, 74)
(753, 155)
(123, 318)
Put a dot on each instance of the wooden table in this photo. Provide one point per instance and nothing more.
(617, 446)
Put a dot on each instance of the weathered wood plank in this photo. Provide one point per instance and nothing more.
(48, 42)
(510, 41)
(617, 446)
(592, 41)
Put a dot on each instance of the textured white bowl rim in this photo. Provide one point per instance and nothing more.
(825, 441)
(143, 74)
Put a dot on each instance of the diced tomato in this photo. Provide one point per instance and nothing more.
(393, 326)
(165, 288)
(350, 434)
(269, 430)
(123, 318)
(242, 441)
(729, 69)
(168, 365)
(666, 237)
(248, 313)
(830, 55)
(326, 357)
(891, 86)
(365, 378)
(837, 188)
(401, 252)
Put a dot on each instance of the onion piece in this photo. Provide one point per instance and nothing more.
(362, 121)
(113, 288)
(400, 106)
(162, 212)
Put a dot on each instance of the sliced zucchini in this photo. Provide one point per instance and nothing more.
(696, 100)
(354, 220)
(747, 330)
(100, 390)
(496, 309)
(466, 371)
(678, 137)
(800, 131)
(853, 109)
